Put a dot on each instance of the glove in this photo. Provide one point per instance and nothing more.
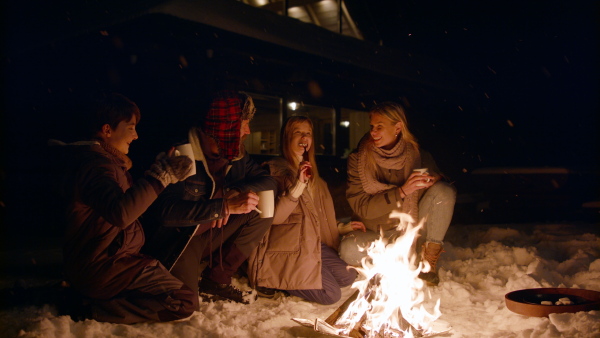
(170, 169)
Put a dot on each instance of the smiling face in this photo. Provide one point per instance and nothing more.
(383, 131)
(122, 136)
(301, 138)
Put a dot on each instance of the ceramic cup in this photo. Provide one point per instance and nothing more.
(266, 203)
(186, 150)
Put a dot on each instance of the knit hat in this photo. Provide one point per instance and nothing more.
(224, 120)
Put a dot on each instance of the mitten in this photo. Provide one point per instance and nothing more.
(170, 169)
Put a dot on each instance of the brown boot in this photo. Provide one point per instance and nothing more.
(431, 253)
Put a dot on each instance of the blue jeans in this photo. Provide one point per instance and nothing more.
(436, 204)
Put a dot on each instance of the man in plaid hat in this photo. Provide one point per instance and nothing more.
(212, 214)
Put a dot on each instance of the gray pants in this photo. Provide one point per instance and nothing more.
(436, 204)
(153, 296)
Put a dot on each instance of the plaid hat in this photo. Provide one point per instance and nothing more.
(224, 120)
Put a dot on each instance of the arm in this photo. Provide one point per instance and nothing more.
(365, 205)
(100, 190)
(288, 202)
(187, 204)
(247, 175)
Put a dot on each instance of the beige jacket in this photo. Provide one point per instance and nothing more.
(289, 256)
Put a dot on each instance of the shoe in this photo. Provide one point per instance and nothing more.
(431, 253)
(265, 292)
(215, 291)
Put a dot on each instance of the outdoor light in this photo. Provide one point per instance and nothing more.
(293, 105)
(345, 124)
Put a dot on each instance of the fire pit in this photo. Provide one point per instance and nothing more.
(544, 301)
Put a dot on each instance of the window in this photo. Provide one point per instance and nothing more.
(323, 125)
(353, 126)
(265, 126)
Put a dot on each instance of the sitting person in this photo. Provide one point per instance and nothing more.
(381, 177)
(212, 214)
(299, 253)
(103, 234)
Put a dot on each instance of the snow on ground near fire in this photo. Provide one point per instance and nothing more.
(480, 265)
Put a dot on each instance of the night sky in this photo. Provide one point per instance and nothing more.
(532, 67)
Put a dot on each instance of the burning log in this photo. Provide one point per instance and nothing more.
(340, 319)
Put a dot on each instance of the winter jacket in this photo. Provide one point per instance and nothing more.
(103, 235)
(289, 256)
(374, 210)
(186, 207)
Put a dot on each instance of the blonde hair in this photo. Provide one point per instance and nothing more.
(395, 112)
(287, 132)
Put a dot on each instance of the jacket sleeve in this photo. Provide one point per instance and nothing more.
(99, 189)
(286, 203)
(365, 205)
(252, 178)
(184, 204)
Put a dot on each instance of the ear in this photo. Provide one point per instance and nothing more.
(398, 127)
(106, 130)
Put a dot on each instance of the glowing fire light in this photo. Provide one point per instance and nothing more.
(391, 297)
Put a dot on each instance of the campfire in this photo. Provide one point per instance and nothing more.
(389, 300)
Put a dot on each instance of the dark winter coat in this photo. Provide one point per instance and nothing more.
(181, 209)
(103, 237)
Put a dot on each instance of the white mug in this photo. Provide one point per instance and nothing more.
(266, 203)
(422, 171)
(186, 150)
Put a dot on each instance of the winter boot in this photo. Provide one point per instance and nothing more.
(214, 291)
(431, 253)
(265, 292)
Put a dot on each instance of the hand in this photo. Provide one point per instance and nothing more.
(356, 225)
(242, 203)
(304, 171)
(415, 182)
(223, 221)
(170, 169)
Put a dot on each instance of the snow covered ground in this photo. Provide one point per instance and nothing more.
(481, 264)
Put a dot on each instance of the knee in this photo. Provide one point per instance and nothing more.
(349, 278)
(330, 297)
(443, 191)
(349, 251)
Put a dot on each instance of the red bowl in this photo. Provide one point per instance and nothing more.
(528, 301)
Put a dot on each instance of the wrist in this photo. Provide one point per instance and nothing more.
(402, 193)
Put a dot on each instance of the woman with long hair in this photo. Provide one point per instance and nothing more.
(299, 253)
(382, 178)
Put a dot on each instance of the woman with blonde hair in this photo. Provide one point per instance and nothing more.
(382, 178)
(299, 253)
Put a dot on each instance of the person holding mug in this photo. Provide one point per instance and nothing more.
(299, 252)
(388, 171)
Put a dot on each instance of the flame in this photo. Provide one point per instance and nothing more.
(391, 296)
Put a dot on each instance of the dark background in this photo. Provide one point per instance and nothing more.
(528, 94)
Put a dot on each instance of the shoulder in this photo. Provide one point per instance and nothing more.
(279, 166)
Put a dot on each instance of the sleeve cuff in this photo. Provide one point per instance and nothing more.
(344, 228)
(297, 189)
(156, 184)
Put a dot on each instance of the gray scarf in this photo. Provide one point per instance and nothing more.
(403, 156)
